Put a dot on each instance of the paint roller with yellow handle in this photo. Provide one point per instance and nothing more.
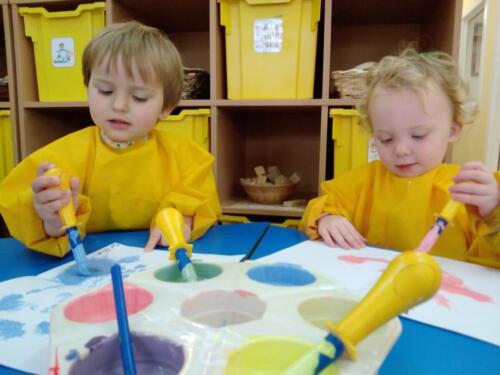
(171, 224)
(411, 278)
(68, 220)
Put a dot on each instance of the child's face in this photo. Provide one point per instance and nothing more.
(412, 130)
(125, 108)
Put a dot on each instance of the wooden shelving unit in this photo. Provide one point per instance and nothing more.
(293, 134)
(8, 98)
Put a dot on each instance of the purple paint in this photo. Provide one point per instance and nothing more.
(153, 355)
(281, 274)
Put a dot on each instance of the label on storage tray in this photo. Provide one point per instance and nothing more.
(63, 52)
(268, 35)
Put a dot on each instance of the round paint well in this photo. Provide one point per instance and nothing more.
(317, 310)
(152, 355)
(269, 356)
(172, 274)
(281, 274)
(219, 308)
(99, 306)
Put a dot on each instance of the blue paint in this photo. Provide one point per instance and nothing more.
(43, 328)
(130, 259)
(281, 274)
(32, 291)
(10, 329)
(72, 355)
(11, 302)
(96, 267)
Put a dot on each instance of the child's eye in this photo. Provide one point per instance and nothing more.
(386, 140)
(105, 92)
(418, 136)
(139, 99)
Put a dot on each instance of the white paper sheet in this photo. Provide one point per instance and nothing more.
(468, 301)
(26, 302)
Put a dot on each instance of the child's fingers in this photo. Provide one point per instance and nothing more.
(338, 237)
(325, 235)
(75, 190)
(44, 182)
(44, 167)
(474, 165)
(474, 176)
(51, 195)
(352, 236)
(154, 237)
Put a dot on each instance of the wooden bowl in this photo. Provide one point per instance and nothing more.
(272, 194)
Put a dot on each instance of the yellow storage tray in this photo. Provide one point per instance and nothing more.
(7, 150)
(351, 143)
(191, 123)
(270, 47)
(59, 39)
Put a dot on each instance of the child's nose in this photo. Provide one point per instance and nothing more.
(401, 148)
(120, 103)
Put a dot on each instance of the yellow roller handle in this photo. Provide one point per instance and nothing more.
(171, 224)
(411, 278)
(450, 210)
(67, 213)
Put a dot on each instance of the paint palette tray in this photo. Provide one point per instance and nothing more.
(240, 318)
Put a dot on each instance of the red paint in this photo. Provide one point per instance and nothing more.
(449, 283)
(244, 293)
(359, 260)
(55, 370)
(99, 306)
(455, 285)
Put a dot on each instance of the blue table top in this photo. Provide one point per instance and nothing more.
(421, 349)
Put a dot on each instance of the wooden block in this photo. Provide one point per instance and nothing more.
(261, 180)
(260, 170)
(295, 178)
(281, 180)
(272, 172)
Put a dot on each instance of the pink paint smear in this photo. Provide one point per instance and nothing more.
(449, 283)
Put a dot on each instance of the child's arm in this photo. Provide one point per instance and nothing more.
(48, 200)
(336, 230)
(476, 186)
(155, 235)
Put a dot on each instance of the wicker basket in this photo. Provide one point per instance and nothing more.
(351, 83)
(272, 194)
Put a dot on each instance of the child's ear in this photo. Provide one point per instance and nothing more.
(455, 131)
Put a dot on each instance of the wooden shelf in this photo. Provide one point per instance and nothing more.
(247, 207)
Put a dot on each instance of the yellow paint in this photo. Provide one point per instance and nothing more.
(269, 356)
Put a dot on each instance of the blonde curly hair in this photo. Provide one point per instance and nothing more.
(413, 70)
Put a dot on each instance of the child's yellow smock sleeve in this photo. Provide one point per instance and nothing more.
(195, 194)
(485, 247)
(16, 196)
(340, 196)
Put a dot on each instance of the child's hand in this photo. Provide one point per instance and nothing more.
(47, 201)
(475, 185)
(155, 236)
(336, 230)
